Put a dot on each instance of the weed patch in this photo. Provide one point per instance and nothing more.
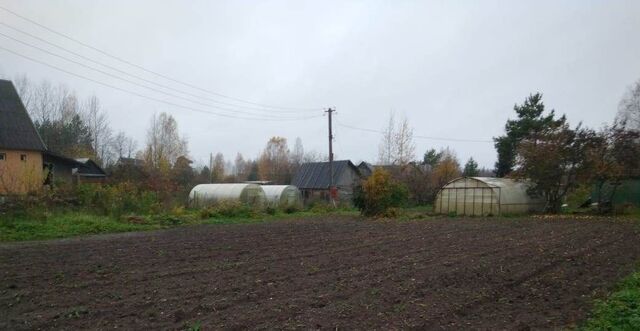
(621, 310)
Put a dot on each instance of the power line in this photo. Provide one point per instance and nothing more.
(136, 76)
(416, 136)
(145, 96)
(145, 86)
(147, 70)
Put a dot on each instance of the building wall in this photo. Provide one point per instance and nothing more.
(345, 184)
(62, 173)
(20, 177)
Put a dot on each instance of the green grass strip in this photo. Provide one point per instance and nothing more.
(619, 311)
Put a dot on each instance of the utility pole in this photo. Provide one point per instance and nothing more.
(332, 188)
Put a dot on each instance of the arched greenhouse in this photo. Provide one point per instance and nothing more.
(283, 196)
(481, 196)
(208, 194)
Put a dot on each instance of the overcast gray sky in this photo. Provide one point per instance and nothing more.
(453, 68)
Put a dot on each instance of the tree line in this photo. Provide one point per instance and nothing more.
(72, 126)
(75, 127)
(277, 163)
(543, 148)
(538, 146)
(422, 177)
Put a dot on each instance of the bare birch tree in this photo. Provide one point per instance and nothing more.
(298, 153)
(123, 145)
(97, 121)
(396, 146)
(629, 108)
(164, 144)
(404, 147)
(385, 149)
(239, 167)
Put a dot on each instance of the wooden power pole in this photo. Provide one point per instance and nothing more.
(332, 188)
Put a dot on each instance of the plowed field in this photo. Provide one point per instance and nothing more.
(340, 273)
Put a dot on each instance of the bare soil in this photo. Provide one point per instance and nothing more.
(343, 273)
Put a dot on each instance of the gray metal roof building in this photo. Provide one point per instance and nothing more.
(316, 175)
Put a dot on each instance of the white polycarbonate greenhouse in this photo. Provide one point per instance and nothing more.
(480, 196)
(283, 196)
(208, 194)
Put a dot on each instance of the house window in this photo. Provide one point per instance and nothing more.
(3, 156)
(23, 157)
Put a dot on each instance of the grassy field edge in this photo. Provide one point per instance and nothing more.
(57, 225)
(620, 310)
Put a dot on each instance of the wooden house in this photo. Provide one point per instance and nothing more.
(21, 148)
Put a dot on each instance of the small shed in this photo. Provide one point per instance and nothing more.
(283, 196)
(208, 194)
(59, 169)
(481, 196)
(313, 180)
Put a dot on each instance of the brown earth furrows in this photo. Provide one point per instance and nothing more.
(322, 273)
(183, 272)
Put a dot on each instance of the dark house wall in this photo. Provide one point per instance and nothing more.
(313, 180)
(62, 168)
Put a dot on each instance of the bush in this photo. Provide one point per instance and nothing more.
(227, 209)
(380, 194)
(291, 209)
(320, 207)
(270, 210)
(118, 199)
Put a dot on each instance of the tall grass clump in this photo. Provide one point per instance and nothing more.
(118, 199)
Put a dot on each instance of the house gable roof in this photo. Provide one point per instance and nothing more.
(16, 128)
(316, 175)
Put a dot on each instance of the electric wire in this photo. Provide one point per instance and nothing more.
(132, 75)
(416, 136)
(145, 86)
(145, 96)
(148, 70)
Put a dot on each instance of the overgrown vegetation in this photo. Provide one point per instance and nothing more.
(558, 160)
(123, 207)
(620, 310)
(380, 195)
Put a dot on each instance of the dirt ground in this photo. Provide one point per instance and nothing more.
(320, 274)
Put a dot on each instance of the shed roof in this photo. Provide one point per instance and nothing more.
(16, 128)
(90, 168)
(52, 157)
(316, 175)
